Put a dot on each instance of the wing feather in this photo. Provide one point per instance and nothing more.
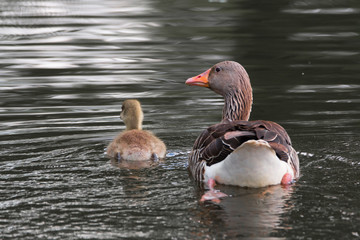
(218, 141)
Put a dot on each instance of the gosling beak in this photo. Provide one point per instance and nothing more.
(199, 80)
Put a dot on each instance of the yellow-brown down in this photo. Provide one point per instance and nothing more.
(135, 144)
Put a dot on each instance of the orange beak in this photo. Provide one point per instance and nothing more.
(199, 80)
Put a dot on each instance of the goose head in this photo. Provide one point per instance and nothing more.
(230, 80)
(132, 114)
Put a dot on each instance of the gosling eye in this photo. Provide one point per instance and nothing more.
(217, 69)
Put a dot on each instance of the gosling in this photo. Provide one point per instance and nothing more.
(135, 144)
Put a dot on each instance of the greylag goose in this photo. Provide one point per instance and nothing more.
(237, 151)
(135, 144)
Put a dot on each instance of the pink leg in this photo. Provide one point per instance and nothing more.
(211, 183)
(286, 179)
(212, 194)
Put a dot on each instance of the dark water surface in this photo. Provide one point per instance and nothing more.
(66, 66)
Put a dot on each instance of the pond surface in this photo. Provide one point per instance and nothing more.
(66, 67)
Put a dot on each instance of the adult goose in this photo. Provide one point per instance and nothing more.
(135, 144)
(237, 151)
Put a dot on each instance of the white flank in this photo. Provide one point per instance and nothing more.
(253, 164)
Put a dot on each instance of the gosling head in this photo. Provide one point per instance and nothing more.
(131, 114)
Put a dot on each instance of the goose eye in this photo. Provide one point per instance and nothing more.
(217, 69)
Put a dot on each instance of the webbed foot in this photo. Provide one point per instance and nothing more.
(213, 194)
(154, 157)
(118, 157)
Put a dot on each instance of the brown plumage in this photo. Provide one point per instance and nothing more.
(135, 144)
(219, 141)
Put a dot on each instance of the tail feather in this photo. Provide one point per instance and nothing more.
(253, 164)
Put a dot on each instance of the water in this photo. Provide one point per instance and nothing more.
(66, 66)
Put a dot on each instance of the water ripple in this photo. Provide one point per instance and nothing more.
(66, 67)
(327, 11)
(320, 36)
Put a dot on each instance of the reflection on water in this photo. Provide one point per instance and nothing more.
(247, 212)
(66, 67)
